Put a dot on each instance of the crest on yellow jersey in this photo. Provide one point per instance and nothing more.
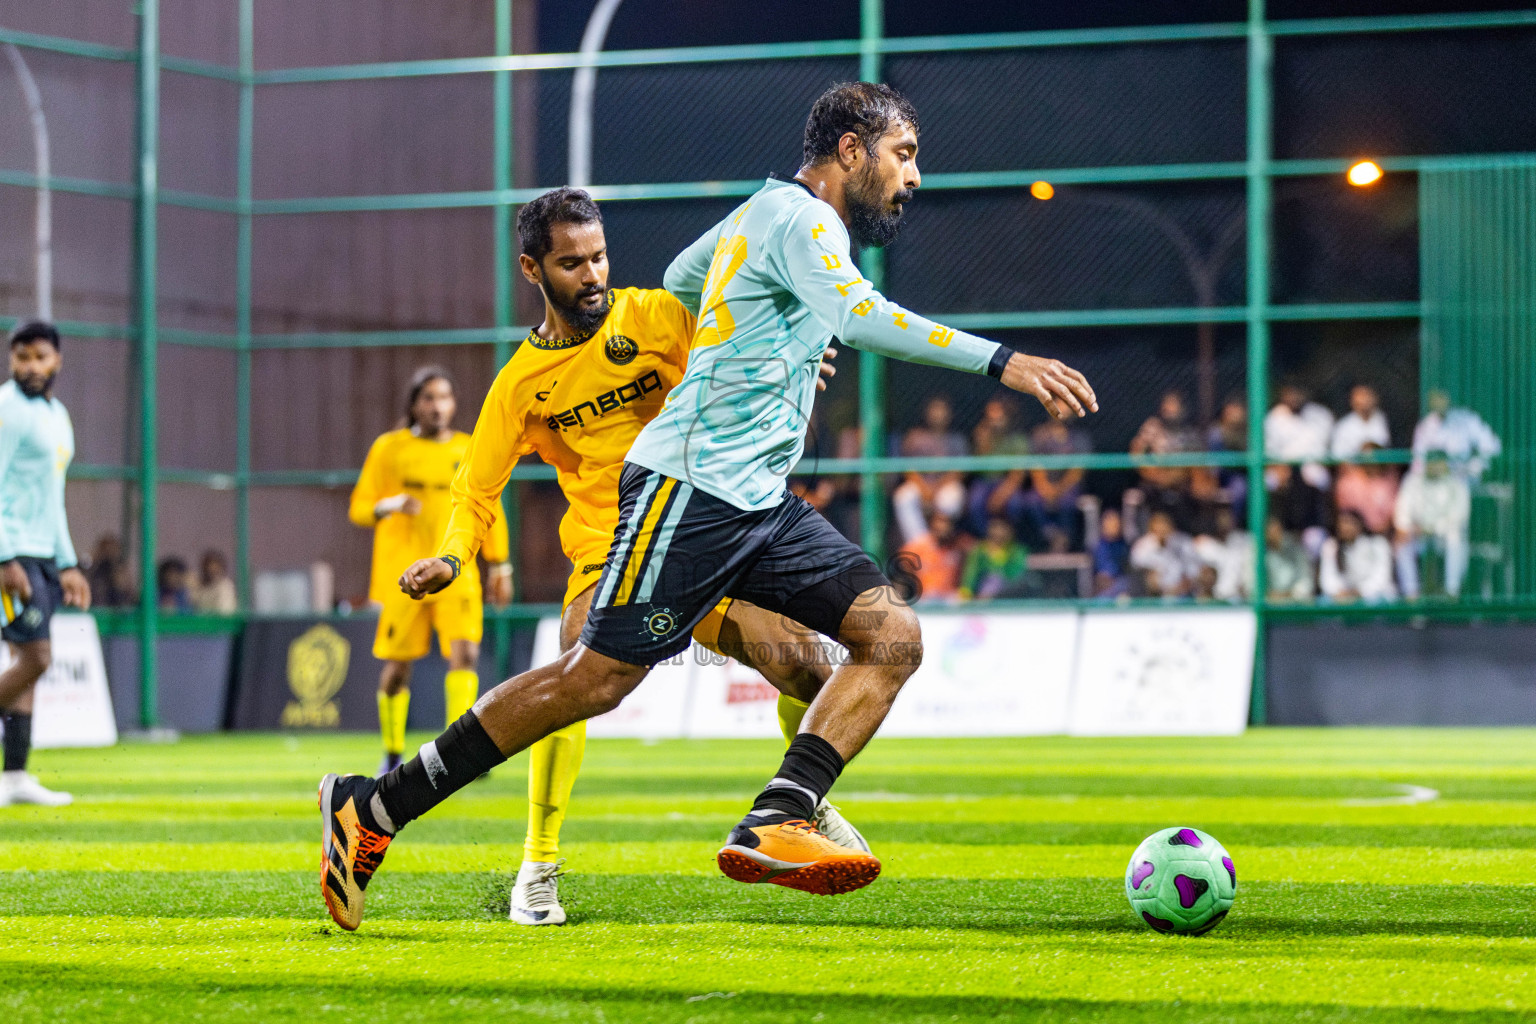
(620, 350)
(317, 668)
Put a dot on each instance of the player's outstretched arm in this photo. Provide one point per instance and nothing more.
(1062, 390)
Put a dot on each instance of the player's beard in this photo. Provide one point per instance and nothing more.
(35, 387)
(583, 319)
(871, 219)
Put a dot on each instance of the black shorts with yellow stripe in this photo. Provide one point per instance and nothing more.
(677, 551)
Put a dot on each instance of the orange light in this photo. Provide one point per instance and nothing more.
(1366, 172)
(1042, 190)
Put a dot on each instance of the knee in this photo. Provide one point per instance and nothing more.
(607, 688)
(898, 642)
(37, 657)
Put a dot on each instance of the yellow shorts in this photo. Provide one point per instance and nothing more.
(588, 568)
(405, 626)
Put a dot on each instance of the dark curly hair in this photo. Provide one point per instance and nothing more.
(35, 330)
(557, 206)
(868, 110)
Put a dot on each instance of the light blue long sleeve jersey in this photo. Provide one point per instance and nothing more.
(37, 441)
(772, 284)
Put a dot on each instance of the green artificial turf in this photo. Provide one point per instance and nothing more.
(183, 885)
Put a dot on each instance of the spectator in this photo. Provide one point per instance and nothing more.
(997, 494)
(1286, 564)
(1300, 507)
(1052, 503)
(215, 591)
(1230, 434)
(1467, 441)
(1298, 429)
(111, 586)
(1356, 565)
(1433, 509)
(1227, 552)
(1364, 424)
(1111, 558)
(936, 558)
(996, 567)
(171, 586)
(1168, 487)
(922, 492)
(1165, 558)
(1369, 490)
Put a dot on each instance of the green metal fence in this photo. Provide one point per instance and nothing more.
(1257, 172)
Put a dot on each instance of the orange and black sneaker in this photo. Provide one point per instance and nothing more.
(795, 854)
(352, 851)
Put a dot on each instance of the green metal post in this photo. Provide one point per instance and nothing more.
(145, 289)
(871, 366)
(505, 265)
(1260, 59)
(245, 144)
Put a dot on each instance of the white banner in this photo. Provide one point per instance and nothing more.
(1163, 673)
(989, 675)
(1095, 673)
(72, 707)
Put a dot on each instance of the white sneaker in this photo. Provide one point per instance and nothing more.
(831, 823)
(21, 788)
(536, 896)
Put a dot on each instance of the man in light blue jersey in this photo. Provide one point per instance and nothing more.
(704, 513)
(38, 573)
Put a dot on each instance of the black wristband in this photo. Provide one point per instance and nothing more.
(453, 563)
(999, 362)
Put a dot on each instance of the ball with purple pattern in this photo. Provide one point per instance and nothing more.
(1181, 880)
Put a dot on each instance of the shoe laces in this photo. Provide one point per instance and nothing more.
(370, 854)
(801, 825)
(541, 892)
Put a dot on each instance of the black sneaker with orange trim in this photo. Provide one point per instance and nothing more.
(795, 854)
(352, 851)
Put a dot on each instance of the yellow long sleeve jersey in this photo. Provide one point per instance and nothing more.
(402, 463)
(578, 403)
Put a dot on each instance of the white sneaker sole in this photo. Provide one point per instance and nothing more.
(537, 918)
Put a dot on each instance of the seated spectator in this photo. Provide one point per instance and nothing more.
(171, 586)
(1168, 488)
(1227, 553)
(1111, 558)
(921, 493)
(1356, 565)
(1433, 509)
(1300, 507)
(107, 575)
(1364, 424)
(215, 591)
(997, 494)
(996, 567)
(936, 557)
(1286, 564)
(1369, 490)
(1165, 558)
(1296, 429)
(1230, 434)
(1468, 442)
(1051, 504)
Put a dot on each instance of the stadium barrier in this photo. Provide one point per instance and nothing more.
(72, 706)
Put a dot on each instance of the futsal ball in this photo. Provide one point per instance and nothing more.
(1181, 880)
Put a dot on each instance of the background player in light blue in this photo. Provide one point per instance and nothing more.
(38, 570)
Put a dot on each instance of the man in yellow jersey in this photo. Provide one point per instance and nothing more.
(403, 496)
(578, 390)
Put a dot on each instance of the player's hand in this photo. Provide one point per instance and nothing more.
(13, 579)
(828, 371)
(498, 583)
(400, 503)
(77, 591)
(1062, 390)
(426, 577)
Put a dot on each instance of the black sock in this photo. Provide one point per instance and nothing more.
(463, 753)
(18, 740)
(810, 767)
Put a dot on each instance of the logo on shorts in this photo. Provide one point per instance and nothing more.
(32, 618)
(317, 668)
(594, 567)
(620, 350)
(660, 622)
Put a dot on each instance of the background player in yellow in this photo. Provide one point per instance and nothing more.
(402, 494)
(577, 391)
